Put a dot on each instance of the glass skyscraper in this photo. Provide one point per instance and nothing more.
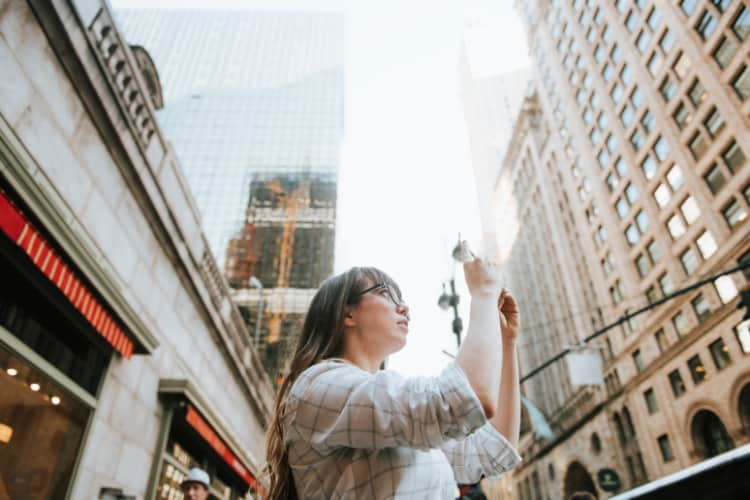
(254, 108)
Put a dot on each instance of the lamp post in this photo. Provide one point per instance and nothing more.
(447, 301)
(254, 282)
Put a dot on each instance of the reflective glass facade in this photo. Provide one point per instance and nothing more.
(254, 108)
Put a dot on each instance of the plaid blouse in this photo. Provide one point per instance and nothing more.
(354, 434)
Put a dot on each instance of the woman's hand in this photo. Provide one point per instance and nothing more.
(482, 278)
(510, 317)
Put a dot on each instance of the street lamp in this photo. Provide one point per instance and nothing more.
(254, 282)
(446, 301)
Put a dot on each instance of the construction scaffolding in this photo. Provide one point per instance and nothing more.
(287, 243)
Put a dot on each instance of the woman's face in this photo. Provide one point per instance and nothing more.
(381, 318)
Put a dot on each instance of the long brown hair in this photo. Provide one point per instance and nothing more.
(321, 338)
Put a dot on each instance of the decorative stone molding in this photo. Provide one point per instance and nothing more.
(123, 74)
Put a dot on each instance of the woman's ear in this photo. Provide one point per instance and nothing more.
(349, 317)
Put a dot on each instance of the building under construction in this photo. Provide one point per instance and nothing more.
(287, 245)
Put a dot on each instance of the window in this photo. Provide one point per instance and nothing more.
(587, 81)
(661, 148)
(721, 5)
(642, 265)
(675, 178)
(664, 446)
(724, 52)
(616, 93)
(591, 35)
(588, 116)
(714, 179)
(616, 54)
(690, 210)
(626, 75)
(706, 244)
(621, 206)
(682, 115)
(653, 251)
(697, 370)
(741, 82)
(641, 219)
(638, 361)
(734, 213)
(698, 145)
(612, 182)
(688, 6)
(689, 260)
(665, 283)
(701, 308)
(652, 294)
(603, 158)
(666, 42)
(607, 35)
(675, 226)
(632, 235)
(654, 63)
(675, 381)
(611, 143)
(636, 97)
(595, 136)
(631, 21)
(614, 293)
(650, 399)
(720, 354)
(608, 72)
(662, 195)
(637, 140)
(661, 340)
(648, 121)
(741, 24)
(626, 115)
(599, 53)
(607, 264)
(734, 157)
(706, 25)
(668, 88)
(697, 93)
(580, 96)
(680, 323)
(621, 167)
(714, 122)
(642, 41)
(682, 66)
(742, 332)
(726, 289)
(654, 19)
(631, 193)
(594, 100)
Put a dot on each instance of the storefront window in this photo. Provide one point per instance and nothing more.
(41, 427)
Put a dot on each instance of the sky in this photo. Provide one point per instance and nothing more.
(406, 186)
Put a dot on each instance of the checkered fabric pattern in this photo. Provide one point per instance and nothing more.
(354, 434)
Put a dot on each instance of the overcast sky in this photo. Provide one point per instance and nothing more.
(406, 186)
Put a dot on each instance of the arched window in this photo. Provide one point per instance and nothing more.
(596, 443)
(620, 429)
(710, 436)
(628, 422)
(744, 409)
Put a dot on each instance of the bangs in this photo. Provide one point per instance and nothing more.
(368, 276)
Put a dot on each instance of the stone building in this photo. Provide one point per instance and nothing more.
(626, 180)
(124, 361)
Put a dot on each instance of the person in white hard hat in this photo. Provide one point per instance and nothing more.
(196, 485)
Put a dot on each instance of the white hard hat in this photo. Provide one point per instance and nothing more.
(196, 475)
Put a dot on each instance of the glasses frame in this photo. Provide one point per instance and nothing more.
(378, 286)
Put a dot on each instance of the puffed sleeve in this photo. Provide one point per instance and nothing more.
(335, 404)
(484, 453)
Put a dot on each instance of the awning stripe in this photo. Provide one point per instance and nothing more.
(23, 233)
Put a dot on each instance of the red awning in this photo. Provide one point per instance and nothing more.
(214, 441)
(19, 229)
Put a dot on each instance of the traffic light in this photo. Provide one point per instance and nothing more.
(745, 301)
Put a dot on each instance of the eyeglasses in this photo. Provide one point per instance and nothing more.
(390, 291)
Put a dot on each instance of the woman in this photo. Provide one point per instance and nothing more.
(343, 428)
